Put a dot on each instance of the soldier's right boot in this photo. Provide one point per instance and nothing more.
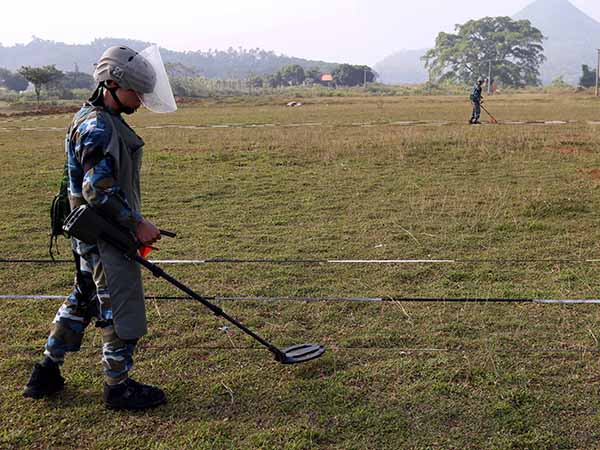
(45, 380)
(131, 395)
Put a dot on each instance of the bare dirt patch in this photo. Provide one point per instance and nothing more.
(592, 173)
(43, 111)
(567, 150)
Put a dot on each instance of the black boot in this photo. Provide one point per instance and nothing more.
(45, 380)
(132, 395)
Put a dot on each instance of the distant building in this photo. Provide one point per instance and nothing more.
(326, 80)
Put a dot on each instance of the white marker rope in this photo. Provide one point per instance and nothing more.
(326, 261)
(403, 123)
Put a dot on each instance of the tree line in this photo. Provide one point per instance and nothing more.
(48, 77)
(189, 82)
(186, 81)
(288, 75)
(295, 75)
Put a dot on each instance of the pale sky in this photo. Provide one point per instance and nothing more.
(332, 30)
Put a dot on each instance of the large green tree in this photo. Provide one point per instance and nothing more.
(513, 47)
(40, 77)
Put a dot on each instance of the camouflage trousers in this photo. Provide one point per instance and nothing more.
(90, 299)
(476, 111)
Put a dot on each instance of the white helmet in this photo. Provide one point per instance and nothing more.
(142, 72)
(127, 68)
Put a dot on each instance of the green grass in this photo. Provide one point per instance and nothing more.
(414, 376)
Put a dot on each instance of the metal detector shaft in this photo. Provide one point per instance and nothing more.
(160, 273)
(488, 113)
(85, 224)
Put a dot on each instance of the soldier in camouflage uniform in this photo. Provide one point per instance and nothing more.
(103, 159)
(476, 100)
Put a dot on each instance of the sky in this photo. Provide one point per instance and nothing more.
(352, 31)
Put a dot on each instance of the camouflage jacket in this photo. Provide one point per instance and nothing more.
(476, 93)
(91, 168)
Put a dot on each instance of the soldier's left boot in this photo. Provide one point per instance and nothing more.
(45, 380)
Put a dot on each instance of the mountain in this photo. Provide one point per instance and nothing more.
(573, 37)
(404, 66)
(229, 64)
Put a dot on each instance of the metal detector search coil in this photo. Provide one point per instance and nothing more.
(300, 353)
(85, 224)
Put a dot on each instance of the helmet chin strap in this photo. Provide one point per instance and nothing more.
(123, 108)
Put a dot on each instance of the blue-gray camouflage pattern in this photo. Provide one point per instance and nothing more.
(476, 101)
(89, 299)
(476, 112)
(92, 171)
(476, 93)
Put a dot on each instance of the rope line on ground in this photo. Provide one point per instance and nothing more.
(334, 348)
(390, 299)
(402, 123)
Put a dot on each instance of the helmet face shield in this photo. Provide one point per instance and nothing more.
(160, 99)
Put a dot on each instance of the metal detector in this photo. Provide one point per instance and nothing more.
(87, 225)
(488, 113)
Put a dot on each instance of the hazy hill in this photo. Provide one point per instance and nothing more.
(573, 37)
(231, 63)
(404, 66)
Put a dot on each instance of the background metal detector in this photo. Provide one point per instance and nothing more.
(488, 113)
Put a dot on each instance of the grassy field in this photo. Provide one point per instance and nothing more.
(336, 178)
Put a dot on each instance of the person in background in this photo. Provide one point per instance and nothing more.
(476, 100)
